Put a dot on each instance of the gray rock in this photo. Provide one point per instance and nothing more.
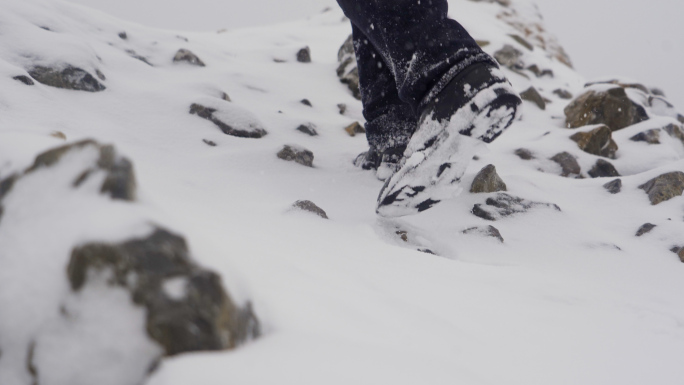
(614, 187)
(664, 187)
(355, 128)
(524, 154)
(198, 315)
(123, 35)
(487, 181)
(24, 79)
(310, 207)
(489, 231)
(308, 128)
(186, 56)
(598, 141)
(246, 130)
(539, 72)
(603, 169)
(304, 55)
(135, 55)
(509, 57)
(680, 254)
(563, 94)
(504, 205)
(612, 108)
(650, 136)
(532, 95)
(347, 70)
(297, 154)
(306, 102)
(343, 108)
(645, 229)
(568, 163)
(69, 77)
(676, 131)
(209, 143)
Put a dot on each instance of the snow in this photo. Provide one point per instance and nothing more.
(570, 297)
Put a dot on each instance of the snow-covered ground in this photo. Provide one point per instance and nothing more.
(569, 297)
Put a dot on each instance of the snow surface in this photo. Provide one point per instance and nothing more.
(344, 300)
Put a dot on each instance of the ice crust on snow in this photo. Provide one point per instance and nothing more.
(569, 297)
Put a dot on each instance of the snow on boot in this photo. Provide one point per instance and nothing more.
(475, 107)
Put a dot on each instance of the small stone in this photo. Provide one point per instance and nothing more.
(487, 181)
(522, 41)
(657, 92)
(568, 163)
(509, 57)
(241, 129)
(209, 142)
(664, 187)
(310, 207)
(308, 128)
(603, 169)
(650, 136)
(563, 94)
(24, 79)
(304, 55)
(532, 95)
(524, 154)
(123, 35)
(482, 43)
(58, 135)
(306, 102)
(355, 128)
(184, 55)
(225, 97)
(342, 107)
(598, 141)
(645, 229)
(70, 78)
(614, 187)
(503, 205)
(297, 154)
(279, 61)
(680, 254)
(347, 70)
(676, 131)
(489, 231)
(539, 72)
(403, 235)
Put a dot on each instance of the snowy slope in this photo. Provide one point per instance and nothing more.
(569, 297)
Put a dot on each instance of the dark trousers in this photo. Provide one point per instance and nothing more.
(407, 51)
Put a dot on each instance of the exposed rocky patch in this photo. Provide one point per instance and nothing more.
(186, 56)
(563, 94)
(24, 79)
(488, 231)
(510, 57)
(645, 229)
(598, 141)
(504, 205)
(664, 187)
(649, 136)
(308, 129)
(532, 95)
(248, 127)
(614, 187)
(568, 163)
(292, 153)
(304, 55)
(524, 154)
(311, 207)
(67, 77)
(355, 128)
(603, 169)
(612, 108)
(306, 102)
(347, 70)
(487, 181)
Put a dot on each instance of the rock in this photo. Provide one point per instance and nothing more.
(187, 307)
(509, 57)
(209, 142)
(568, 163)
(403, 234)
(598, 141)
(680, 254)
(489, 231)
(347, 70)
(482, 43)
(225, 97)
(664, 187)
(504, 205)
(355, 128)
(603, 169)
(539, 72)
(645, 229)
(69, 77)
(563, 94)
(308, 128)
(614, 187)
(297, 154)
(487, 181)
(58, 135)
(24, 79)
(304, 55)
(310, 207)
(306, 102)
(622, 84)
(650, 136)
(342, 107)
(532, 95)
(676, 131)
(522, 41)
(184, 55)
(242, 128)
(119, 182)
(123, 35)
(612, 108)
(524, 154)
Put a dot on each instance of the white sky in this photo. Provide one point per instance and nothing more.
(637, 39)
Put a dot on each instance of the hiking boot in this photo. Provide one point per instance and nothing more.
(475, 106)
(385, 163)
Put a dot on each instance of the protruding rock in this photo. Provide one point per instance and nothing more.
(187, 307)
(680, 254)
(603, 169)
(524, 154)
(347, 70)
(650, 136)
(563, 94)
(489, 231)
(184, 55)
(58, 135)
(568, 163)
(355, 128)
(304, 55)
(676, 131)
(70, 78)
(598, 141)
(310, 207)
(645, 229)
(308, 128)
(245, 127)
(225, 97)
(612, 108)
(664, 187)
(614, 187)
(306, 102)
(297, 154)
(487, 181)
(342, 108)
(24, 79)
(532, 95)
(504, 205)
(123, 35)
(538, 72)
(209, 143)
